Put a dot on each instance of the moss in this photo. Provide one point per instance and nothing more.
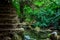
(16, 37)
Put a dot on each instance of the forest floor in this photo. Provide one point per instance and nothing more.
(41, 35)
(37, 35)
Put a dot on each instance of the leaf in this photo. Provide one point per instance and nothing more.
(38, 3)
(57, 1)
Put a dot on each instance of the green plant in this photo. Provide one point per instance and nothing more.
(42, 11)
(16, 5)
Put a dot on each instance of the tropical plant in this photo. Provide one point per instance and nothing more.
(42, 11)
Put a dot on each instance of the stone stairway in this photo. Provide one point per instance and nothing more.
(8, 20)
(8, 16)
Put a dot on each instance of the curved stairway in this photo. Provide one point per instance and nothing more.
(8, 19)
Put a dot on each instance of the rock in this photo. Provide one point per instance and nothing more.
(27, 37)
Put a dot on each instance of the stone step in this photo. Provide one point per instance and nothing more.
(2, 19)
(5, 12)
(8, 12)
(8, 15)
(4, 3)
(2, 8)
(7, 7)
(8, 25)
(15, 20)
(12, 29)
(8, 21)
(4, 16)
(9, 18)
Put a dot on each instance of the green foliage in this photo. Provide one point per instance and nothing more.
(16, 5)
(57, 2)
(44, 14)
(28, 11)
(38, 3)
(44, 17)
(43, 11)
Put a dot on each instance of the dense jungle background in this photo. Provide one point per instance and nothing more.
(29, 19)
(39, 13)
(38, 17)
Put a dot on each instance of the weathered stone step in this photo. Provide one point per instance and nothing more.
(5, 11)
(6, 7)
(4, 16)
(8, 25)
(12, 29)
(4, 20)
(8, 15)
(8, 21)
(9, 18)
(8, 12)
(4, 3)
